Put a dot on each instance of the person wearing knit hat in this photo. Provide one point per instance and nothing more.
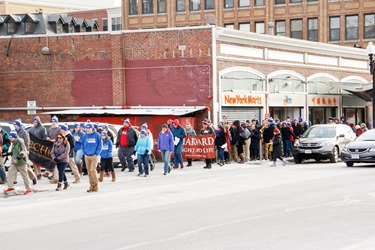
(18, 164)
(144, 126)
(52, 133)
(126, 140)
(92, 145)
(78, 132)
(189, 131)
(277, 147)
(23, 134)
(267, 137)
(151, 138)
(106, 157)
(71, 162)
(143, 147)
(55, 119)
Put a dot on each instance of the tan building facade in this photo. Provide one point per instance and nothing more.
(350, 23)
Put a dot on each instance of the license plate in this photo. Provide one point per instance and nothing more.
(355, 156)
(308, 151)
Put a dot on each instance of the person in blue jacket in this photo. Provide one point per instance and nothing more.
(143, 147)
(179, 134)
(165, 146)
(78, 152)
(92, 144)
(106, 158)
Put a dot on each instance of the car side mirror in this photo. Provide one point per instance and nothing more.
(341, 135)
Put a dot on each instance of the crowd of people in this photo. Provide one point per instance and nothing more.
(88, 148)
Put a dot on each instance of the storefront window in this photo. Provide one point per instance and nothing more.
(322, 85)
(285, 83)
(241, 81)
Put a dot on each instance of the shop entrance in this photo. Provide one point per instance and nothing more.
(355, 115)
(282, 112)
(321, 115)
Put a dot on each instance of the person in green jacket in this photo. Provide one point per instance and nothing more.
(18, 163)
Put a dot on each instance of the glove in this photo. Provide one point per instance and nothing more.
(19, 157)
(56, 160)
(146, 152)
(134, 152)
(116, 145)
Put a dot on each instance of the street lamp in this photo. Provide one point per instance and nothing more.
(371, 51)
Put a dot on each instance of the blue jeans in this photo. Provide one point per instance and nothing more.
(78, 156)
(3, 175)
(61, 166)
(221, 154)
(178, 154)
(166, 155)
(143, 159)
(287, 148)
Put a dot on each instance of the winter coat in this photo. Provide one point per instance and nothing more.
(237, 139)
(165, 141)
(178, 132)
(52, 132)
(220, 138)
(107, 149)
(71, 141)
(131, 136)
(254, 137)
(92, 144)
(4, 140)
(78, 140)
(268, 133)
(39, 131)
(142, 145)
(22, 133)
(277, 146)
(19, 149)
(60, 152)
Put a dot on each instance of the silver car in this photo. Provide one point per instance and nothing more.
(322, 142)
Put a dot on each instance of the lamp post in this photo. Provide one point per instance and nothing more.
(371, 51)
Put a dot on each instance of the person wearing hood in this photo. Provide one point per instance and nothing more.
(267, 137)
(189, 131)
(18, 163)
(22, 133)
(40, 132)
(277, 147)
(178, 134)
(60, 155)
(92, 145)
(72, 164)
(126, 140)
(206, 130)
(52, 133)
(106, 157)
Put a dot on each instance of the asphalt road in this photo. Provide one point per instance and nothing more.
(250, 206)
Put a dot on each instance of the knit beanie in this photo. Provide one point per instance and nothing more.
(54, 119)
(13, 134)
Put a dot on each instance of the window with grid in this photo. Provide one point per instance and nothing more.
(244, 3)
(279, 2)
(133, 7)
(228, 4)
(29, 27)
(351, 27)
(209, 4)
(312, 29)
(369, 26)
(147, 7)
(296, 28)
(295, 1)
(180, 5)
(105, 24)
(259, 27)
(162, 6)
(194, 5)
(244, 27)
(59, 27)
(11, 26)
(334, 28)
(116, 23)
(259, 2)
(280, 28)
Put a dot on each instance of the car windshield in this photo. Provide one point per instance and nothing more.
(320, 132)
(367, 136)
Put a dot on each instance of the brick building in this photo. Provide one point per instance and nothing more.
(329, 21)
(189, 73)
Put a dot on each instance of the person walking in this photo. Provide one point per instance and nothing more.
(165, 146)
(221, 142)
(189, 131)
(206, 130)
(239, 141)
(277, 147)
(92, 145)
(18, 163)
(126, 140)
(70, 138)
(179, 134)
(106, 157)
(4, 147)
(142, 148)
(78, 151)
(52, 133)
(60, 155)
(40, 132)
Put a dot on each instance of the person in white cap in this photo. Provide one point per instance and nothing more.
(18, 163)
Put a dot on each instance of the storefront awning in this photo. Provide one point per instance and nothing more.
(133, 110)
(363, 91)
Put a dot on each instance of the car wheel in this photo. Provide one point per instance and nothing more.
(297, 160)
(349, 164)
(335, 155)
